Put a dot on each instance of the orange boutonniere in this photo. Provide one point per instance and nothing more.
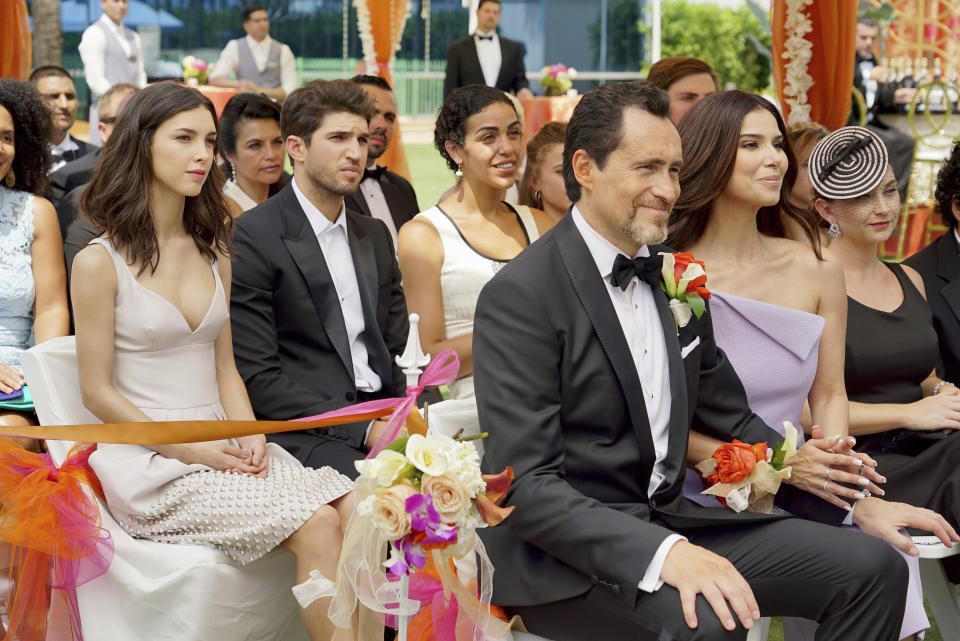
(684, 279)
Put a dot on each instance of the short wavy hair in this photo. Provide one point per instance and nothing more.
(948, 187)
(32, 127)
(462, 103)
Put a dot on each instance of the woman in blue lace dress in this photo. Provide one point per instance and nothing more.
(33, 294)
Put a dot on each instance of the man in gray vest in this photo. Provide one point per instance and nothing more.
(111, 54)
(260, 63)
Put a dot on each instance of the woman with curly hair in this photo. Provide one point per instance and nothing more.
(542, 183)
(449, 252)
(939, 266)
(33, 294)
(151, 299)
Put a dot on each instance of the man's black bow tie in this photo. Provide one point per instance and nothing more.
(374, 173)
(484, 37)
(646, 268)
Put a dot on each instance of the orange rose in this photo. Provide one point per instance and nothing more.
(735, 461)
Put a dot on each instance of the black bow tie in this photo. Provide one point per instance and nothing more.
(374, 173)
(484, 37)
(646, 268)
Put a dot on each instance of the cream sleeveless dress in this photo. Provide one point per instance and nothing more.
(463, 274)
(169, 372)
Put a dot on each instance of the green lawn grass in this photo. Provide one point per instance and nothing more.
(429, 173)
(431, 177)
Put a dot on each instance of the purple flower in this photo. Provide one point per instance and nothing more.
(424, 518)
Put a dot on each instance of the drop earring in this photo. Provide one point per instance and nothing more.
(233, 173)
(834, 231)
(11, 179)
(459, 172)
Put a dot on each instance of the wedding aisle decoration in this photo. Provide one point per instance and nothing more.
(746, 477)
(557, 79)
(195, 70)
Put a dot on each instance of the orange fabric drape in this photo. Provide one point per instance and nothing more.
(831, 65)
(386, 21)
(15, 41)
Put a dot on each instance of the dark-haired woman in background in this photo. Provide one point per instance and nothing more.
(686, 80)
(939, 266)
(542, 184)
(154, 343)
(904, 415)
(449, 252)
(33, 294)
(251, 143)
(778, 305)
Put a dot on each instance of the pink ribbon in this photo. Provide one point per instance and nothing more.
(442, 369)
(443, 610)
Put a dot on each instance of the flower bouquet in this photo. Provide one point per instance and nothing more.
(194, 70)
(684, 279)
(746, 477)
(557, 79)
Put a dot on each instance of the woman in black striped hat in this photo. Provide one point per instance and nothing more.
(902, 414)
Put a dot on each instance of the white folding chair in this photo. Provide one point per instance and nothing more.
(939, 592)
(155, 591)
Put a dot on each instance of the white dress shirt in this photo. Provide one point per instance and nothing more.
(637, 312)
(488, 52)
(335, 245)
(92, 46)
(230, 58)
(57, 151)
(869, 84)
(372, 193)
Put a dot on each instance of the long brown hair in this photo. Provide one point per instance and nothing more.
(118, 197)
(709, 133)
(552, 133)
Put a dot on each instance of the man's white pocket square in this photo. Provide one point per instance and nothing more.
(689, 347)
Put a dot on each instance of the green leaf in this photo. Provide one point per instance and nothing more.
(697, 304)
(779, 455)
(399, 445)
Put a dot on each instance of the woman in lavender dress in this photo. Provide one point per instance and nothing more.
(778, 306)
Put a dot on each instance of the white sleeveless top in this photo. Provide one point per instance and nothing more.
(463, 274)
(233, 190)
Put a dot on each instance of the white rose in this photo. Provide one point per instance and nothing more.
(464, 465)
(429, 453)
(385, 467)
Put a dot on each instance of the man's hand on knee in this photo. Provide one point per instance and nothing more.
(694, 570)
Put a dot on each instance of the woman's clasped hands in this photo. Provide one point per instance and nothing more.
(249, 456)
(827, 466)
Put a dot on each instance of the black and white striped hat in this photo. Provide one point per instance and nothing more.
(848, 163)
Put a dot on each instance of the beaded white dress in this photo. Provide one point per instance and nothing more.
(169, 372)
(17, 290)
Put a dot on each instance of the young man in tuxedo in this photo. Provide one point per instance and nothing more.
(383, 194)
(56, 88)
(485, 58)
(316, 306)
(588, 390)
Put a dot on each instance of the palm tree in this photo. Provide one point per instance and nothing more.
(47, 38)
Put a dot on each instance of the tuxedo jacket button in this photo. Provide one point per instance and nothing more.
(593, 577)
(350, 396)
(615, 588)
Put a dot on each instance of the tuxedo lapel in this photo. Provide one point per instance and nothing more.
(471, 59)
(395, 202)
(361, 202)
(592, 292)
(304, 248)
(948, 268)
(502, 80)
(365, 264)
(677, 449)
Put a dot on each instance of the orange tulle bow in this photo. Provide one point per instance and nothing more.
(53, 528)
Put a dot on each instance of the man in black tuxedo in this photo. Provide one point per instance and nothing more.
(589, 390)
(56, 87)
(383, 194)
(316, 306)
(881, 95)
(79, 172)
(939, 265)
(485, 58)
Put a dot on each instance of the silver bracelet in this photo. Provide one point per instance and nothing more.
(939, 386)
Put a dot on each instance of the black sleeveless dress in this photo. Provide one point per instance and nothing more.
(888, 355)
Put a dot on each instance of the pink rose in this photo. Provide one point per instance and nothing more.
(449, 496)
(389, 511)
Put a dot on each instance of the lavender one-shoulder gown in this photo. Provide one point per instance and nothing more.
(774, 351)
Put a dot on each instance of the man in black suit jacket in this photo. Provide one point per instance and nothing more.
(316, 306)
(485, 58)
(939, 265)
(383, 194)
(589, 389)
(56, 87)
